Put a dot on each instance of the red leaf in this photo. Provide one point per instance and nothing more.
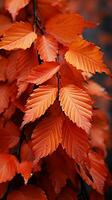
(27, 193)
(8, 167)
(25, 169)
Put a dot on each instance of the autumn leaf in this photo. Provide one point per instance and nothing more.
(38, 102)
(19, 36)
(27, 192)
(14, 6)
(5, 23)
(65, 27)
(3, 68)
(4, 100)
(26, 152)
(96, 173)
(75, 141)
(9, 136)
(47, 136)
(25, 169)
(77, 105)
(85, 56)
(8, 167)
(47, 47)
(43, 72)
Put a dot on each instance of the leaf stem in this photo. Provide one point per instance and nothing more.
(37, 21)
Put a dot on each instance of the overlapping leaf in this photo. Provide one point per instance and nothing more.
(14, 6)
(25, 169)
(47, 48)
(4, 100)
(85, 56)
(19, 36)
(75, 141)
(65, 27)
(43, 72)
(8, 167)
(77, 105)
(47, 136)
(38, 102)
(9, 136)
(96, 173)
(27, 193)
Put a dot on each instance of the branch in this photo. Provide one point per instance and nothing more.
(37, 21)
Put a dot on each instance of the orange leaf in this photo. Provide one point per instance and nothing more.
(19, 36)
(43, 72)
(47, 136)
(27, 193)
(96, 89)
(96, 173)
(9, 136)
(38, 102)
(75, 141)
(47, 48)
(5, 23)
(3, 68)
(4, 97)
(13, 6)
(20, 66)
(85, 56)
(65, 27)
(8, 167)
(25, 169)
(77, 105)
(26, 152)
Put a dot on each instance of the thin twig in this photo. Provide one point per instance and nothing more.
(37, 21)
